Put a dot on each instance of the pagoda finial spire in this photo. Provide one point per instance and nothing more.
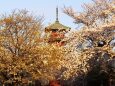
(57, 14)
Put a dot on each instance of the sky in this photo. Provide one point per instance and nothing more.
(46, 8)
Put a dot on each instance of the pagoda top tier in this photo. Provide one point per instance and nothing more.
(57, 26)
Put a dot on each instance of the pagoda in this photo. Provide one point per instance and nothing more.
(56, 31)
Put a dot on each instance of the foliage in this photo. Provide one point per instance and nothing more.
(20, 31)
(93, 45)
(95, 14)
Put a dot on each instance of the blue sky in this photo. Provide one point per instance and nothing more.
(44, 7)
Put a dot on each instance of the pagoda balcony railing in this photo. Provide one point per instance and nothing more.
(57, 35)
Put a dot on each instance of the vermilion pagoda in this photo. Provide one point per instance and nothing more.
(56, 31)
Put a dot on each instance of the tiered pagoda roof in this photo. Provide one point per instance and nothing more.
(57, 25)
